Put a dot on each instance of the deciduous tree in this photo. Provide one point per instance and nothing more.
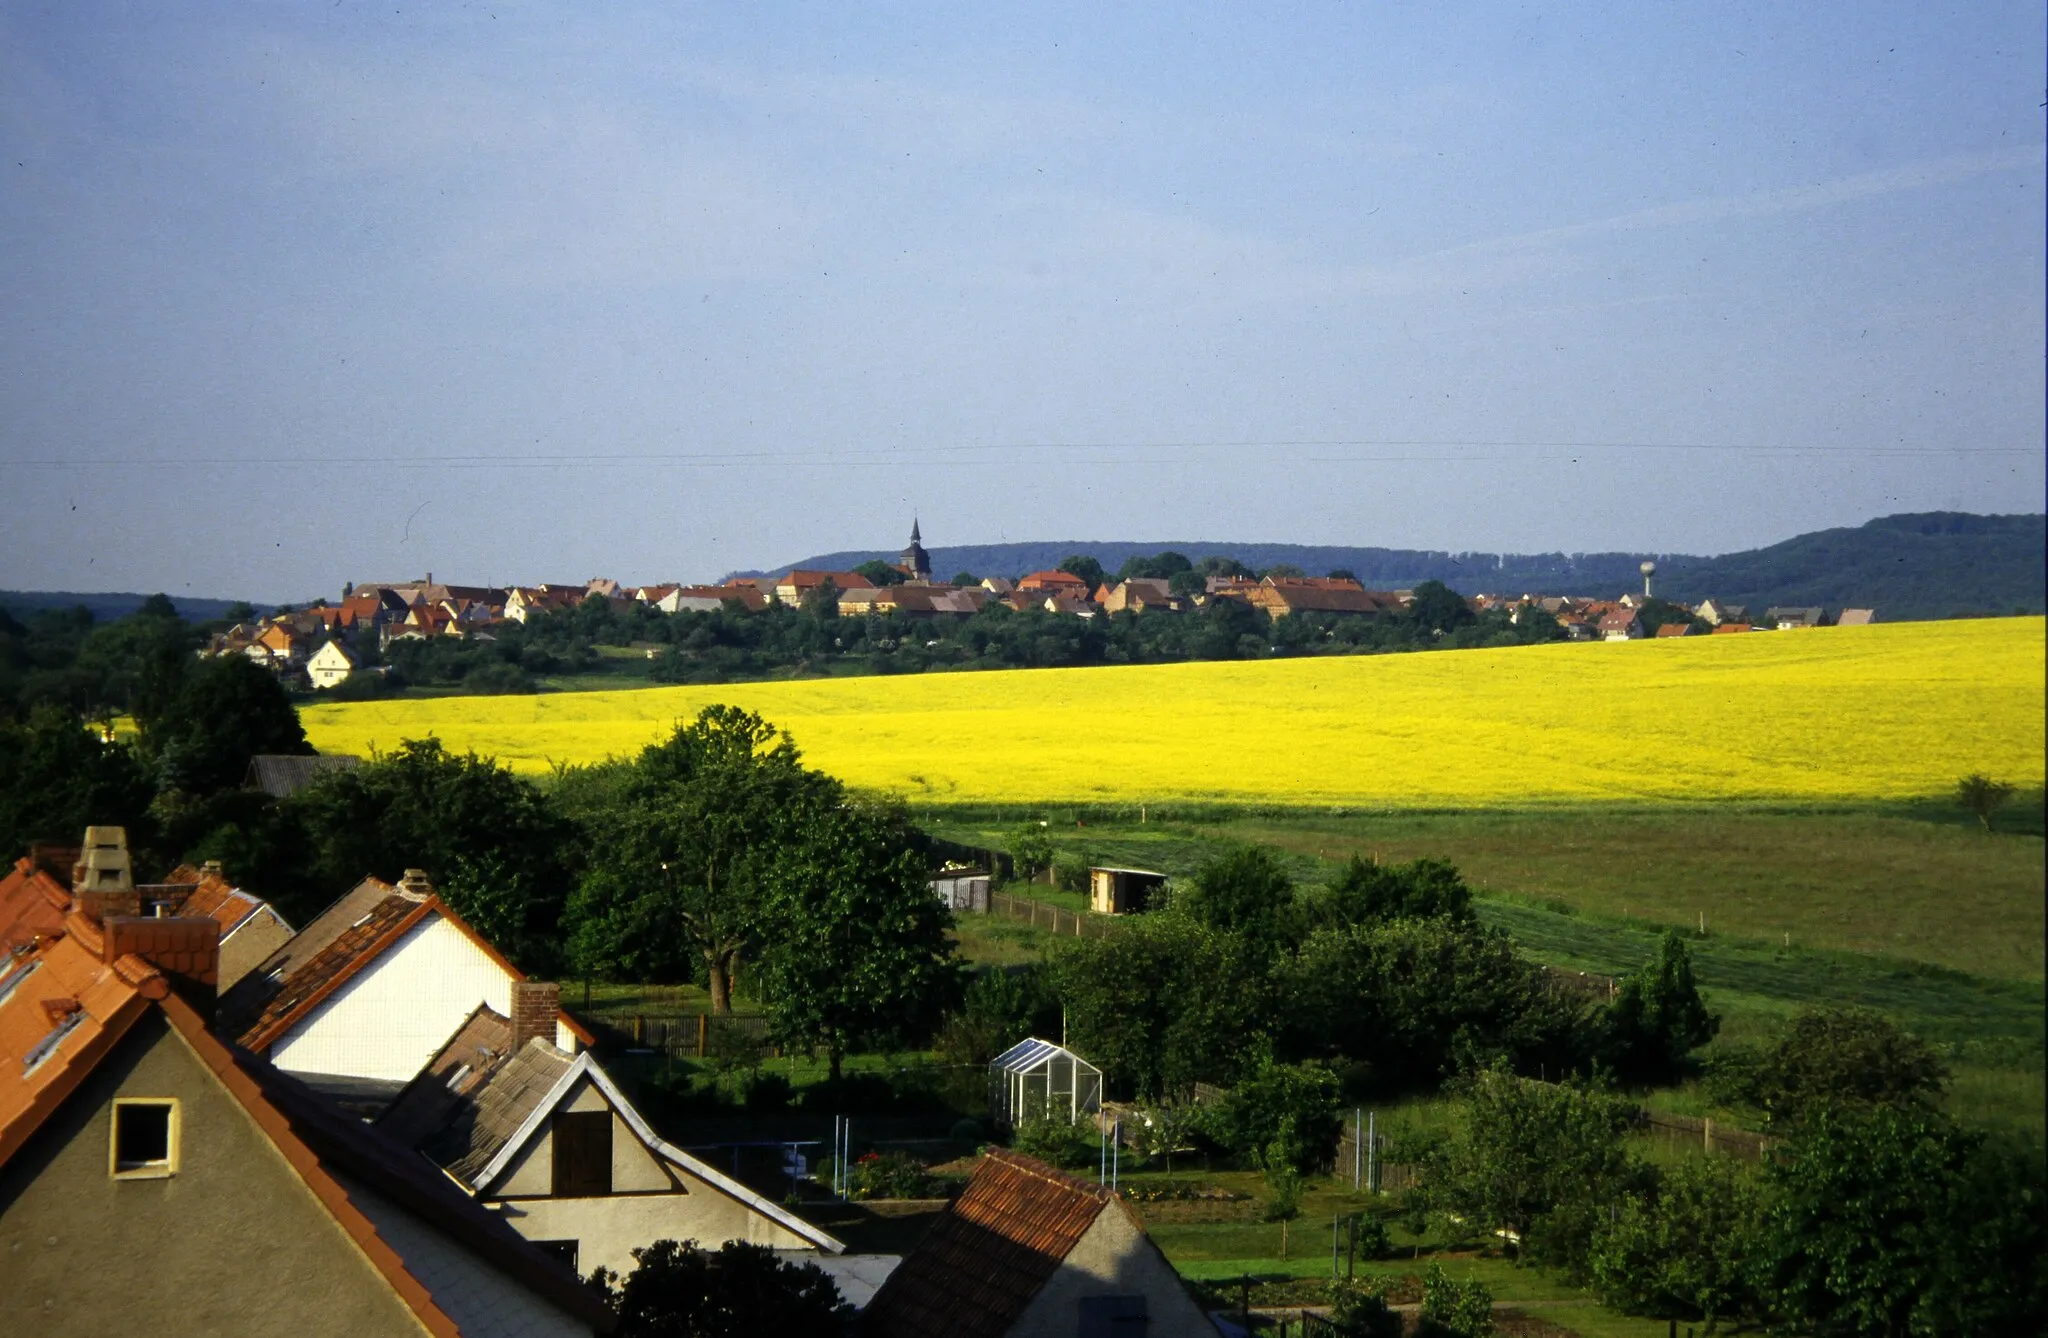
(853, 946)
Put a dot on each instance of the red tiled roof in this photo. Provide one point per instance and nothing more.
(98, 1002)
(1053, 580)
(1675, 629)
(342, 958)
(31, 903)
(215, 898)
(331, 967)
(989, 1253)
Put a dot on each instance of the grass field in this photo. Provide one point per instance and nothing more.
(1837, 714)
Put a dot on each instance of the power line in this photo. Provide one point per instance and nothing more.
(1098, 453)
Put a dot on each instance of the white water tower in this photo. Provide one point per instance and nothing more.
(1648, 569)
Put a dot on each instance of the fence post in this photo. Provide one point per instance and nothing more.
(1357, 1147)
(1372, 1140)
(703, 1034)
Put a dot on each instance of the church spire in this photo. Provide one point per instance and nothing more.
(915, 537)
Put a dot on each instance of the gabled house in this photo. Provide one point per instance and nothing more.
(279, 643)
(361, 999)
(1138, 595)
(1732, 627)
(329, 665)
(1282, 598)
(1027, 1250)
(1674, 629)
(1718, 611)
(1042, 583)
(1789, 619)
(1621, 625)
(549, 1143)
(1856, 618)
(792, 588)
(139, 1153)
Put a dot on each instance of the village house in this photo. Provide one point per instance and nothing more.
(548, 1142)
(1856, 618)
(1732, 627)
(1285, 597)
(1621, 625)
(359, 1000)
(138, 1152)
(792, 588)
(913, 601)
(1674, 629)
(1041, 584)
(1027, 1251)
(1791, 619)
(330, 665)
(1138, 595)
(1718, 611)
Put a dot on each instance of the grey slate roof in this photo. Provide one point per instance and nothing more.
(472, 1097)
(280, 774)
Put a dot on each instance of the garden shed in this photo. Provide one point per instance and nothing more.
(1038, 1078)
(962, 889)
(1123, 891)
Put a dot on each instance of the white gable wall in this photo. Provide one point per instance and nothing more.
(397, 1012)
(1114, 1257)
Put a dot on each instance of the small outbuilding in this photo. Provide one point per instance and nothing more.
(1123, 891)
(1034, 1078)
(962, 889)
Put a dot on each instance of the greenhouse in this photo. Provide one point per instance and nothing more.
(1033, 1079)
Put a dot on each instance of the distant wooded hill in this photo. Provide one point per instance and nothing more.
(106, 605)
(1935, 564)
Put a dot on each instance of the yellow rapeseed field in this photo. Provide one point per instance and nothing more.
(1831, 714)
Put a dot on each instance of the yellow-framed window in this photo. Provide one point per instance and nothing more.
(143, 1143)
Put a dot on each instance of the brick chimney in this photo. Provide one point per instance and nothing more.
(416, 884)
(187, 949)
(534, 1006)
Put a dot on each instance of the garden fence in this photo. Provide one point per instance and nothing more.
(1045, 915)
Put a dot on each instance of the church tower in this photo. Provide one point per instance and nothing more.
(916, 563)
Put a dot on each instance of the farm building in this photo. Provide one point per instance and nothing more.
(962, 889)
(1036, 1078)
(1123, 891)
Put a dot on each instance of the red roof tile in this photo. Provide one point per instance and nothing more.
(32, 903)
(989, 1253)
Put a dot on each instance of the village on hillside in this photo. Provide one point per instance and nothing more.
(322, 644)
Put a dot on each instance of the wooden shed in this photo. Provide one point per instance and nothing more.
(962, 889)
(1123, 891)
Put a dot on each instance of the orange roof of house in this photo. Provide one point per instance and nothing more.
(32, 903)
(989, 1253)
(63, 1009)
(1053, 580)
(1675, 629)
(1731, 627)
(810, 580)
(215, 898)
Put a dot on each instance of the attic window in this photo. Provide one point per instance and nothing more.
(144, 1142)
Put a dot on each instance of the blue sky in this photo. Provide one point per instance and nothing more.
(294, 295)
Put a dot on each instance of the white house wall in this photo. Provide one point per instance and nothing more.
(395, 1014)
(1112, 1258)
